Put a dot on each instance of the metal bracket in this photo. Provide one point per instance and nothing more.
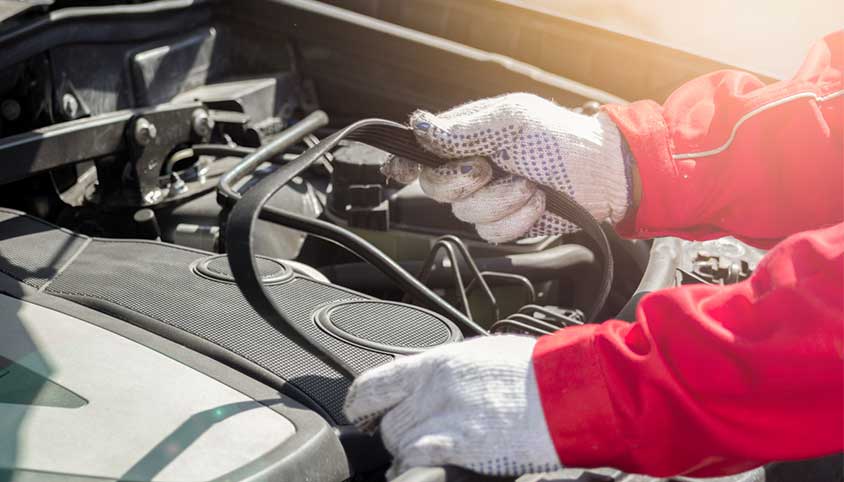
(153, 135)
(148, 135)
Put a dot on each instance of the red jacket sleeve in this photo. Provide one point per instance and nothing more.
(716, 380)
(726, 154)
(709, 380)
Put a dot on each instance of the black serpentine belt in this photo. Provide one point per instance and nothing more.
(391, 137)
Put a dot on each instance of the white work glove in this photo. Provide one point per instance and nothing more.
(532, 138)
(473, 404)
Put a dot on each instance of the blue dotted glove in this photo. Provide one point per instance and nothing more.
(536, 142)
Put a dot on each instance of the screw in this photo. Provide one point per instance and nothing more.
(10, 109)
(70, 106)
(145, 131)
(202, 123)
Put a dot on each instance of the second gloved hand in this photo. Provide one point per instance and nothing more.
(536, 142)
(473, 404)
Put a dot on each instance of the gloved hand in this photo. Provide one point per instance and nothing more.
(473, 404)
(535, 140)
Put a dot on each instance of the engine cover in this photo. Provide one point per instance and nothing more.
(189, 296)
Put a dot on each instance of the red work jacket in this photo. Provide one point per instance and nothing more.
(713, 380)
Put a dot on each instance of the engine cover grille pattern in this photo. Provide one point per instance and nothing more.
(34, 251)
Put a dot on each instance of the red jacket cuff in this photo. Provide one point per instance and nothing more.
(646, 132)
(575, 398)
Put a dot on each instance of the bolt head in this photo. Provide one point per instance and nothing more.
(145, 131)
(203, 124)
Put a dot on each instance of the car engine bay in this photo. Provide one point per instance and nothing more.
(198, 255)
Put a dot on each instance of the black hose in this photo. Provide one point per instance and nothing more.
(541, 266)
